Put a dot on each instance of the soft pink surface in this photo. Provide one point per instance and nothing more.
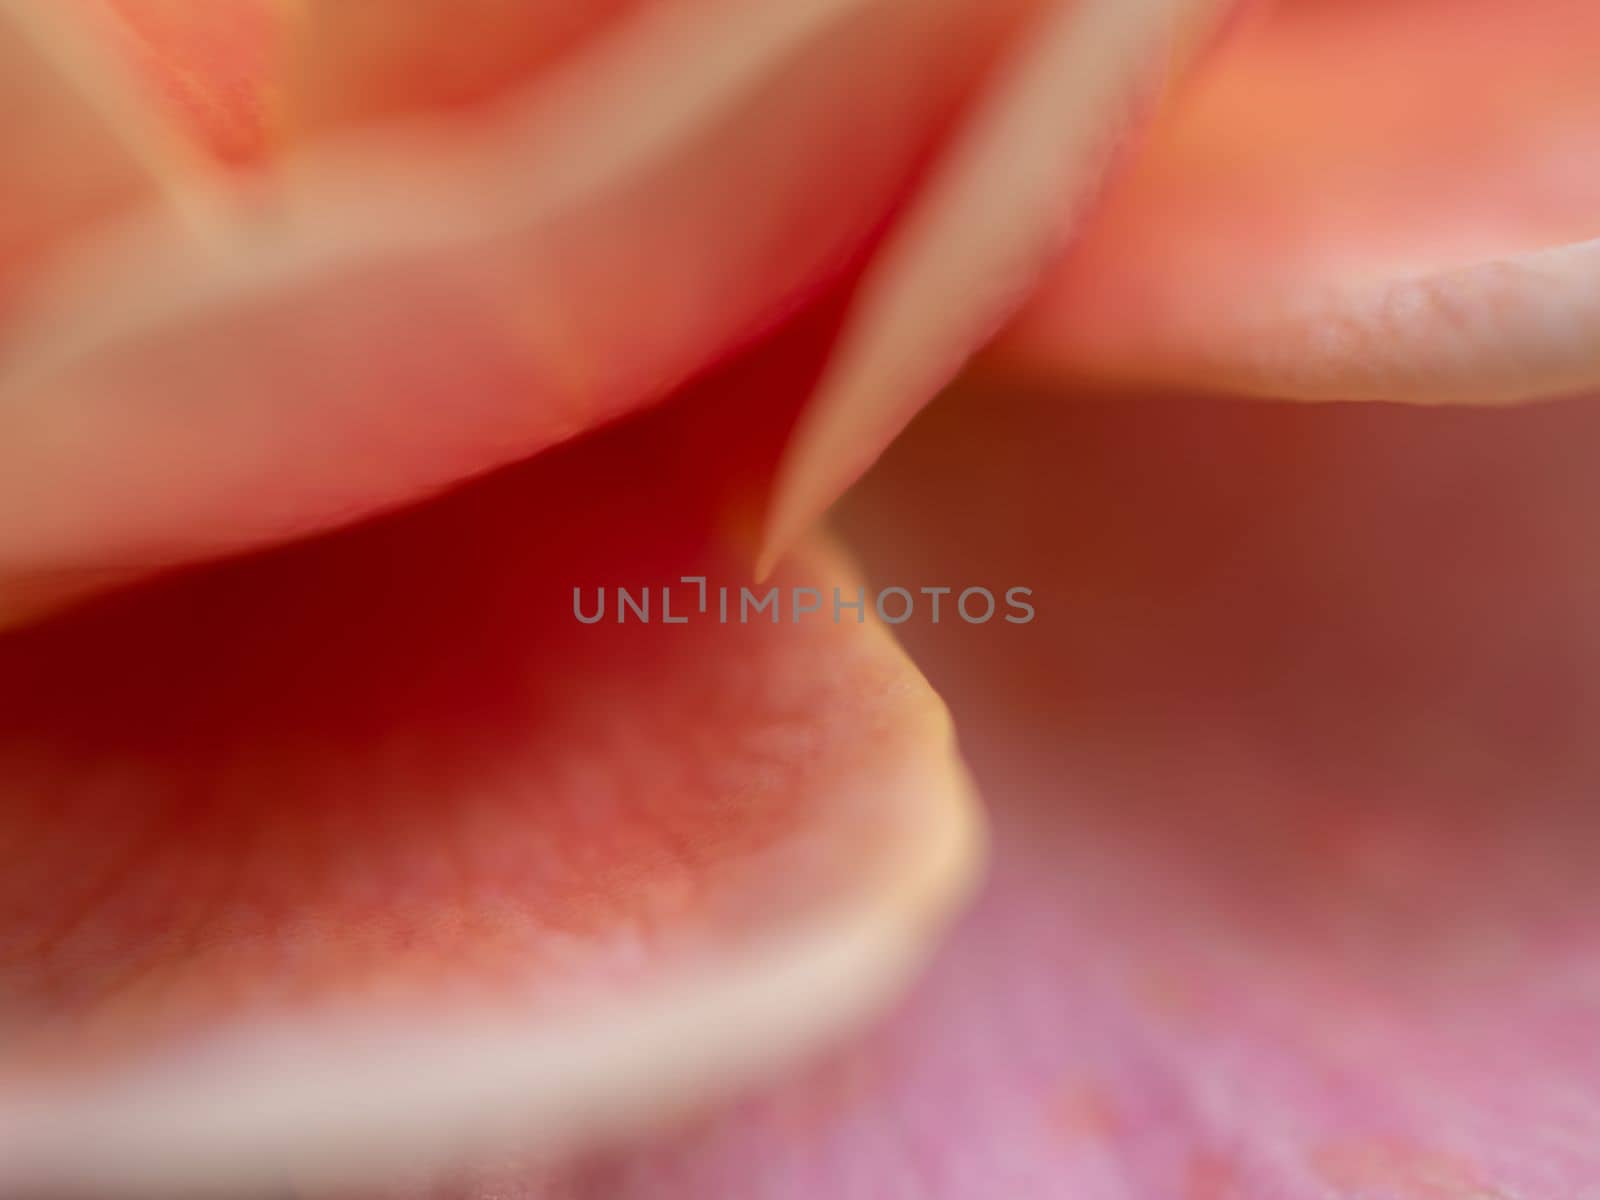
(1294, 893)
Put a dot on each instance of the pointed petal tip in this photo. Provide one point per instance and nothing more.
(973, 244)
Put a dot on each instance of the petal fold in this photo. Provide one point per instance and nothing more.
(1353, 201)
(218, 64)
(391, 314)
(980, 232)
(1292, 781)
(341, 863)
(357, 62)
(77, 144)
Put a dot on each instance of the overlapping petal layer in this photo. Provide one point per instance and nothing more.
(1011, 183)
(76, 146)
(220, 67)
(356, 63)
(1355, 200)
(1295, 850)
(1305, 885)
(340, 861)
(386, 315)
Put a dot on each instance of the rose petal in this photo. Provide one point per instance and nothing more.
(1354, 201)
(76, 145)
(1293, 781)
(341, 861)
(217, 63)
(404, 311)
(360, 62)
(980, 232)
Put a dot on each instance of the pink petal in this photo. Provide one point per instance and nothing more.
(1355, 200)
(1293, 781)
(337, 863)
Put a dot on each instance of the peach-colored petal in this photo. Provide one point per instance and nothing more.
(397, 312)
(357, 62)
(76, 145)
(339, 862)
(1355, 200)
(1293, 782)
(978, 235)
(217, 62)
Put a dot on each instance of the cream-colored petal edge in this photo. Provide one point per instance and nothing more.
(1004, 196)
(1497, 332)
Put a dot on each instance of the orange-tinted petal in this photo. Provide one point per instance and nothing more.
(1355, 200)
(976, 238)
(76, 145)
(398, 313)
(342, 861)
(358, 61)
(217, 62)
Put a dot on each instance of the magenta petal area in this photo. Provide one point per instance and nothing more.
(1293, 780)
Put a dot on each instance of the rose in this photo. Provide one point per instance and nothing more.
(688, 786)
(679, 860)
